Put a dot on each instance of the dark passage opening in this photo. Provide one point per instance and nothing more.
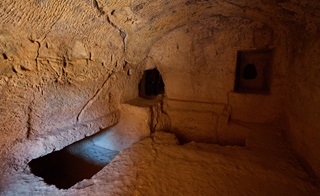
(250, 72)
(72, 164)
(151, 84)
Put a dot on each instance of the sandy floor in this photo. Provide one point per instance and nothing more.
(159, 166)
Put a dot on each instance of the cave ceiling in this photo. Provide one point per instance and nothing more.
(141, 23)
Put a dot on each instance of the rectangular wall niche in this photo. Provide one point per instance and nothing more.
(253, 73)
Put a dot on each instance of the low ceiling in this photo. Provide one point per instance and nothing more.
(140, 23)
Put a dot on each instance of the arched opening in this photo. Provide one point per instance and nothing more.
(151, 84)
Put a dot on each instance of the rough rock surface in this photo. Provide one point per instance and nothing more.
(66, 66)
(159, 166)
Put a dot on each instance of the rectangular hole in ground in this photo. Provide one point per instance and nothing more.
(72, 164)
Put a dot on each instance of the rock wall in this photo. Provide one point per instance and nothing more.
(198, 66)
(65, 66)
(62, 75)
(303, 100)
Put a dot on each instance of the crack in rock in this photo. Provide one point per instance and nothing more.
(93, 98)
(29, 126)
(29, 118)
(37, 56)
(95, 4)
(122, 33)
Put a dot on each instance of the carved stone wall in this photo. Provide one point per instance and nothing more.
(65, 66)
(198, 65)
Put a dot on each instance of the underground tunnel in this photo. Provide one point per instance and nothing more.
(185, 97)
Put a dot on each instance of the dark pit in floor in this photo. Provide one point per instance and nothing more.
(72, 164)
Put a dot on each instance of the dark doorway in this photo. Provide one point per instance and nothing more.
(151, 84)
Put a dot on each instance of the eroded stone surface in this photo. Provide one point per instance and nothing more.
(66, 66)
(158, 166)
